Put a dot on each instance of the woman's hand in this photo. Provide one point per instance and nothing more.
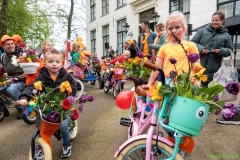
(204, 51)
(22, 102)
(217, 51)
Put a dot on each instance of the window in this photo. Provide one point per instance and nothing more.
(105, 34)
(93, 41)
(147, 16)
(105, 7)
(229, 7)
(121, 35)
(121, 3)
(93, 9)
(181, 5)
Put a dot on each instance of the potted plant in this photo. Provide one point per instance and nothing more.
(28, 61)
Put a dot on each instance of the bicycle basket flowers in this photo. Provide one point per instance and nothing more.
(53, 102)
(187, 85)
(136, 72)
(3, 80)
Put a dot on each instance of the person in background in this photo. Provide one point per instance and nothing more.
(213, 43)
(96, 64)
(132, 48)
(46, 46)
(17, 82)
(145, 39)
(52, 75)
(111, 52)
(75, 52)
(103, 63)
(125, 45)
(160, 39)
(125, 56)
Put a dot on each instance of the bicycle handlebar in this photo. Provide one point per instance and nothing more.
(154, 68)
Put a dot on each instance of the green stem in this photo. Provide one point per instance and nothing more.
(212, 103)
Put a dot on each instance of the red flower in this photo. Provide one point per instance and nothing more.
(66, 104)
(75, 115)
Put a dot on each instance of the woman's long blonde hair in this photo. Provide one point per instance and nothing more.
(178, 16)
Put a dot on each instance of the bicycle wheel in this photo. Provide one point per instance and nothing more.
(30, 119)
(117, 89)
(137, 150)
(100, 82)
(2, 112)
(42, 150)
(73, 132)
(80, 88)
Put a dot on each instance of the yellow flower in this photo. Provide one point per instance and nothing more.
(145, 59)
(65, 86)
(153, 92)
(38, 85)
(29, 59)
(4, 82)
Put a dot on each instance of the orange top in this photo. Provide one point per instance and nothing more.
(104, 65)
(53, 77)
(168, 51)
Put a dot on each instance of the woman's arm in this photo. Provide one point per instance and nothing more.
(197, 38)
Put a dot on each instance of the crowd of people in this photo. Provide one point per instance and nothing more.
(212, 44)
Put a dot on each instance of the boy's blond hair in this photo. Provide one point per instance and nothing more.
(53, 51)
(178, 16)
(43, 45)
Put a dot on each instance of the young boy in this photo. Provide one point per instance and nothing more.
(126, 54)
(52, 75)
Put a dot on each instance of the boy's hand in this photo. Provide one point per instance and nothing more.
(22, 102)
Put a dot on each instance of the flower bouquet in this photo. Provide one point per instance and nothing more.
(28, 61)
(136, 72)
(54, 104)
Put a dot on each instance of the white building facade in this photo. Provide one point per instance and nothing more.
(105, 18)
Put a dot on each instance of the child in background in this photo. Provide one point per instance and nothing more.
(125, 56)
(103, 63)
(52, 75)
(75, 52)
(45, 47)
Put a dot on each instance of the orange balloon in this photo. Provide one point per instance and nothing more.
(124, 99)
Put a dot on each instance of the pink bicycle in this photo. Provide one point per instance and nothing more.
(150, 146)
(117, 82)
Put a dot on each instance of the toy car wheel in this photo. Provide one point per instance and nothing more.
(42, 150)
(30, 119)
(101, 82)
(73, 132)
(93, 82)
(2, 112)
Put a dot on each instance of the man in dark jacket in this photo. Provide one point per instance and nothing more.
(17, 82)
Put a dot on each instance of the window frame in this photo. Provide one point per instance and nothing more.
(105, 38)
(180, 5)
(122, 4)
(93, 9)
(122, 34)
(105, 8)
(93, 41)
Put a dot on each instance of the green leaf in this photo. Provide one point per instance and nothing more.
(165, 90)
(48, 89)
(129, 66)
(212, 91)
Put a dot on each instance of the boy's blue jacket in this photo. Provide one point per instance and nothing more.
(47, 81)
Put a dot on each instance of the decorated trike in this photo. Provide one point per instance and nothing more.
(117, 81)
(181, 117)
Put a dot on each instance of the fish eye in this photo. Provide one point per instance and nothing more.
(200, 113)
